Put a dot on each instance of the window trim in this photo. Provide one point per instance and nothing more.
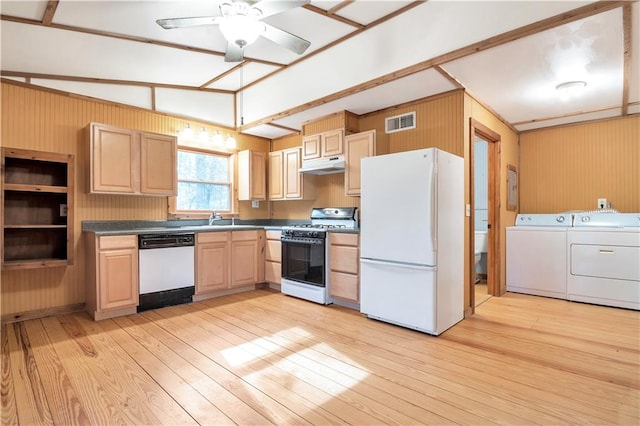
(172, 202)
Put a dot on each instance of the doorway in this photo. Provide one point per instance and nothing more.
(484, 238)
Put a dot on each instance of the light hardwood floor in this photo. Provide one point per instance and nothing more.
(261, 357)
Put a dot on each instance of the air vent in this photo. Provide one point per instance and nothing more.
(400, 122)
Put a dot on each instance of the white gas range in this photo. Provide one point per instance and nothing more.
(305, 253)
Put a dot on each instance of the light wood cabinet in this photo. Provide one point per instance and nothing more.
(112, 275)
(37, 209)
(273, 257)
(125, 161)
(158, 167)
(344, 266)
(276, 175)
(212, 261)
(226, 260)
(357, 147)
(311, 147)
(326, 144)
(285, 180)
(252, 175)
(247, 258)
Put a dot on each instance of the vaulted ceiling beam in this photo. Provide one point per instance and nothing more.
(29, 75)
(626, 69)
(49, 12)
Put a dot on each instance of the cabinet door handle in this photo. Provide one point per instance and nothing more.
(605, 251)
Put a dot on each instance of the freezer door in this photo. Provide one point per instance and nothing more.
(404, 184)
(399, 294)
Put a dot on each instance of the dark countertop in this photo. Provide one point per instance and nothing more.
(134, 227)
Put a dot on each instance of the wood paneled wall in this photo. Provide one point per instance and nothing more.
(570, 167)
(45, 120)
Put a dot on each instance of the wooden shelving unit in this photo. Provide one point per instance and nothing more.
(37, 200)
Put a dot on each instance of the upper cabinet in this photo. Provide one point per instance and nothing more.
(327, 144)
(158, 169)
(124, 161)
(37, 204)
(252, 175)
(285, 180)
(357, 146)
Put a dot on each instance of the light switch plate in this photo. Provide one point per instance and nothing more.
(255, 204)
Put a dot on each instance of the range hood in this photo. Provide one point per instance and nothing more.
(323, 166)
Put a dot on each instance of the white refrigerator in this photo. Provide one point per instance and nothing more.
(412, 239)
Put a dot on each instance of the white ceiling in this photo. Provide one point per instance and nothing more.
(365, 55)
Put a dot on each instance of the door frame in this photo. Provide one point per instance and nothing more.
(493, 139)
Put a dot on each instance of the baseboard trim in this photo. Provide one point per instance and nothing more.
(42, 313)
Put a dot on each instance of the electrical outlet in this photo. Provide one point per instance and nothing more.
(255, 204)
(602, 203)
(63, 210)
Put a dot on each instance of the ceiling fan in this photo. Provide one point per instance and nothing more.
(241, 24)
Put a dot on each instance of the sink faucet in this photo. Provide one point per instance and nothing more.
(214, 217)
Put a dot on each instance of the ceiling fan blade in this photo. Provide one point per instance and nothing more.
(170, 23)
(234, 53)
(285, 39)
(271, 7)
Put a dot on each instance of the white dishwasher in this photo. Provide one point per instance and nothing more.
(537, 254)
(604, 260)
(166, 269)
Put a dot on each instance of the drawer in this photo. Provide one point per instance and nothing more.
(211, 237)
(605, 261)
(244, 235)
(344, 259)
(274, 235)
(344, 239)
(272, 272)
(344, 286)
(274, 251)
(117, 242)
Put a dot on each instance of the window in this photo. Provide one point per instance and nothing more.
(204, 181)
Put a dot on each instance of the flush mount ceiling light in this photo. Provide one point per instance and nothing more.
(569, 89)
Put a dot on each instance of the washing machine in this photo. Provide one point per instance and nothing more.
(536, 254)
(603, 252)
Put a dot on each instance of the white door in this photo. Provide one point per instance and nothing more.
(400, 294)
(397, 219)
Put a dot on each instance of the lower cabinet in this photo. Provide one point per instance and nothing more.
(273, 258)
(212, 261)
(344, 268)
(244, 258)
(112, 275)
(226, 260)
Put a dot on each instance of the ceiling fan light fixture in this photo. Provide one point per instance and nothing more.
(241, 30)
(571, 88)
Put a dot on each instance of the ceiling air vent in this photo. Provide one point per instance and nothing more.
(398, 123)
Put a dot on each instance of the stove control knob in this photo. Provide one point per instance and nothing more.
(314, 234)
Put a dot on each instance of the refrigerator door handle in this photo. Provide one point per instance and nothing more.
(397, 265)
(434, 211)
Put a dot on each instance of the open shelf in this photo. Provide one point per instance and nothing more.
(37, 201)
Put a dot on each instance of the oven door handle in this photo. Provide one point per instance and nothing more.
(310, 242)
